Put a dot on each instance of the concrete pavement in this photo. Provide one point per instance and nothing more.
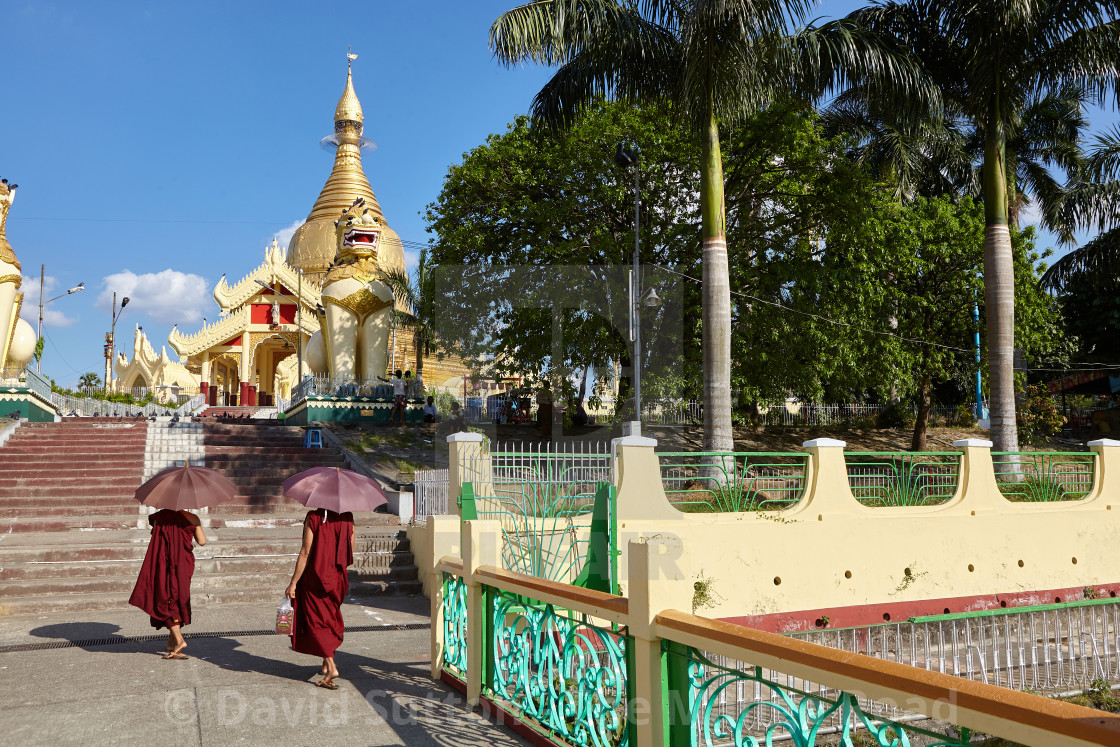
(235, 689)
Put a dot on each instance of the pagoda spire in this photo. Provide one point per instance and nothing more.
(347, 180)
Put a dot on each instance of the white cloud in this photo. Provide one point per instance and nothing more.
(52, 316)
(284, 235)
(411, 259)
(169, 296)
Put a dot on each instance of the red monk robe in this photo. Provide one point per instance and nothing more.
(317, 628)
(163, 589)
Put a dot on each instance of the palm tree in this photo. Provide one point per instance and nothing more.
(89, 380)
(715, 61)
(416, 294)
(988, 58)
(1092, 203)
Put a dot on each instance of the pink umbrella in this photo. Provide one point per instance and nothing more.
(335, 489)
(177, 488)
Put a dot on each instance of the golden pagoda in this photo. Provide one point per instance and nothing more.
(313, 246)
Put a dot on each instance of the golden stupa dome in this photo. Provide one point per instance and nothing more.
(314, 244)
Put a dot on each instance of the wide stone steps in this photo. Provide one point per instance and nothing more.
(98, 572)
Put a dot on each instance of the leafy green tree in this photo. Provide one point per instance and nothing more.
(534, 226)
(988, 58)
(710, 59)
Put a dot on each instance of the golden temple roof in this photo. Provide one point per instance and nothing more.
(313, 245)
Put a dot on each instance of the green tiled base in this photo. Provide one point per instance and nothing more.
(319, 408)
(28, 403)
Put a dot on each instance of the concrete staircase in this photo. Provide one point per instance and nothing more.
(60, 482)
(76, 475)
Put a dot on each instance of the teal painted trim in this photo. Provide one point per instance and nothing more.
(676, 694)
(466, 503)
(1014, 610)
(597, 570)
(632, 715)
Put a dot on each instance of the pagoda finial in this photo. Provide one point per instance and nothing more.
(348, 113)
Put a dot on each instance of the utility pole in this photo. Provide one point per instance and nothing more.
(39, 333)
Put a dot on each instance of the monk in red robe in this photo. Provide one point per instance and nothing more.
(163, 589)
(319, 584)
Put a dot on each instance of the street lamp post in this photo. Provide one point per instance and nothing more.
(42, 303)
(110, 341)
(628, 156)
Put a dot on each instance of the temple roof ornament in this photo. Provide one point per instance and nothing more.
(313, 245)
(151, 369)
(7, 197)
(349, 109)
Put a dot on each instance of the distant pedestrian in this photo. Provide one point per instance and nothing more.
(400, 390)
(544, 410)
(431, 412)
(319, 584)
(163, 588)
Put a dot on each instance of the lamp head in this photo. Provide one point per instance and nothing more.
(625, 155)
(124, 302)
(76, 288)
(652, 300)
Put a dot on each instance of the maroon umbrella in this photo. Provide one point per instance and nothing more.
(335, 489)
(177, 488)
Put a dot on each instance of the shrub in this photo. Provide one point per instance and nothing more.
(896, 415)
(965, 417)
(1037, 417)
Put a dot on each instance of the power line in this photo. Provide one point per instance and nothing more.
(827, 319)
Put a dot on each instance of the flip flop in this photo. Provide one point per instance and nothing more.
(327, 685)
(177, 655)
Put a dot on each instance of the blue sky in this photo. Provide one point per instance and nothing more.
(158, 145)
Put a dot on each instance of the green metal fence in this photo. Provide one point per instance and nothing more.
(903, 478)
(556, 510)
(556, 670)
(735, 703)
(1044, 475)
(711, 482)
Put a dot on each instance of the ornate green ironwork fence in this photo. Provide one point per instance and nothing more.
(702, 482)
(556, 669)
(454, 625)
(743, 705)
(1044, 475)
(903, 478)
(556, 510)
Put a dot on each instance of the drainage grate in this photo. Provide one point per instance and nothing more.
(116, 640)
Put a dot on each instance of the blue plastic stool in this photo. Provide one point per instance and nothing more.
(313, 439)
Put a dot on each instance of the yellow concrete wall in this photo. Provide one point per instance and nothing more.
(831, 551)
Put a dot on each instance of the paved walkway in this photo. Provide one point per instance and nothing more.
(247, 689)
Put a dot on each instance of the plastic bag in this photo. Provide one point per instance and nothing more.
(284, 617)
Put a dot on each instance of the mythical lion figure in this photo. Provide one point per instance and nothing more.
(357, 305)
(17, 338)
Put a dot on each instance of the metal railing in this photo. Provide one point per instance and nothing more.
(1056, 649)
(903, 478)
(346, 387)
(727, 482)
(559, 658)
(542, 495)
(1044, 475)
(430, 493)
(71, 406)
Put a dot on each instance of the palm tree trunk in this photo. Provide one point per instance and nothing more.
(999, 289)
(716, 296)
